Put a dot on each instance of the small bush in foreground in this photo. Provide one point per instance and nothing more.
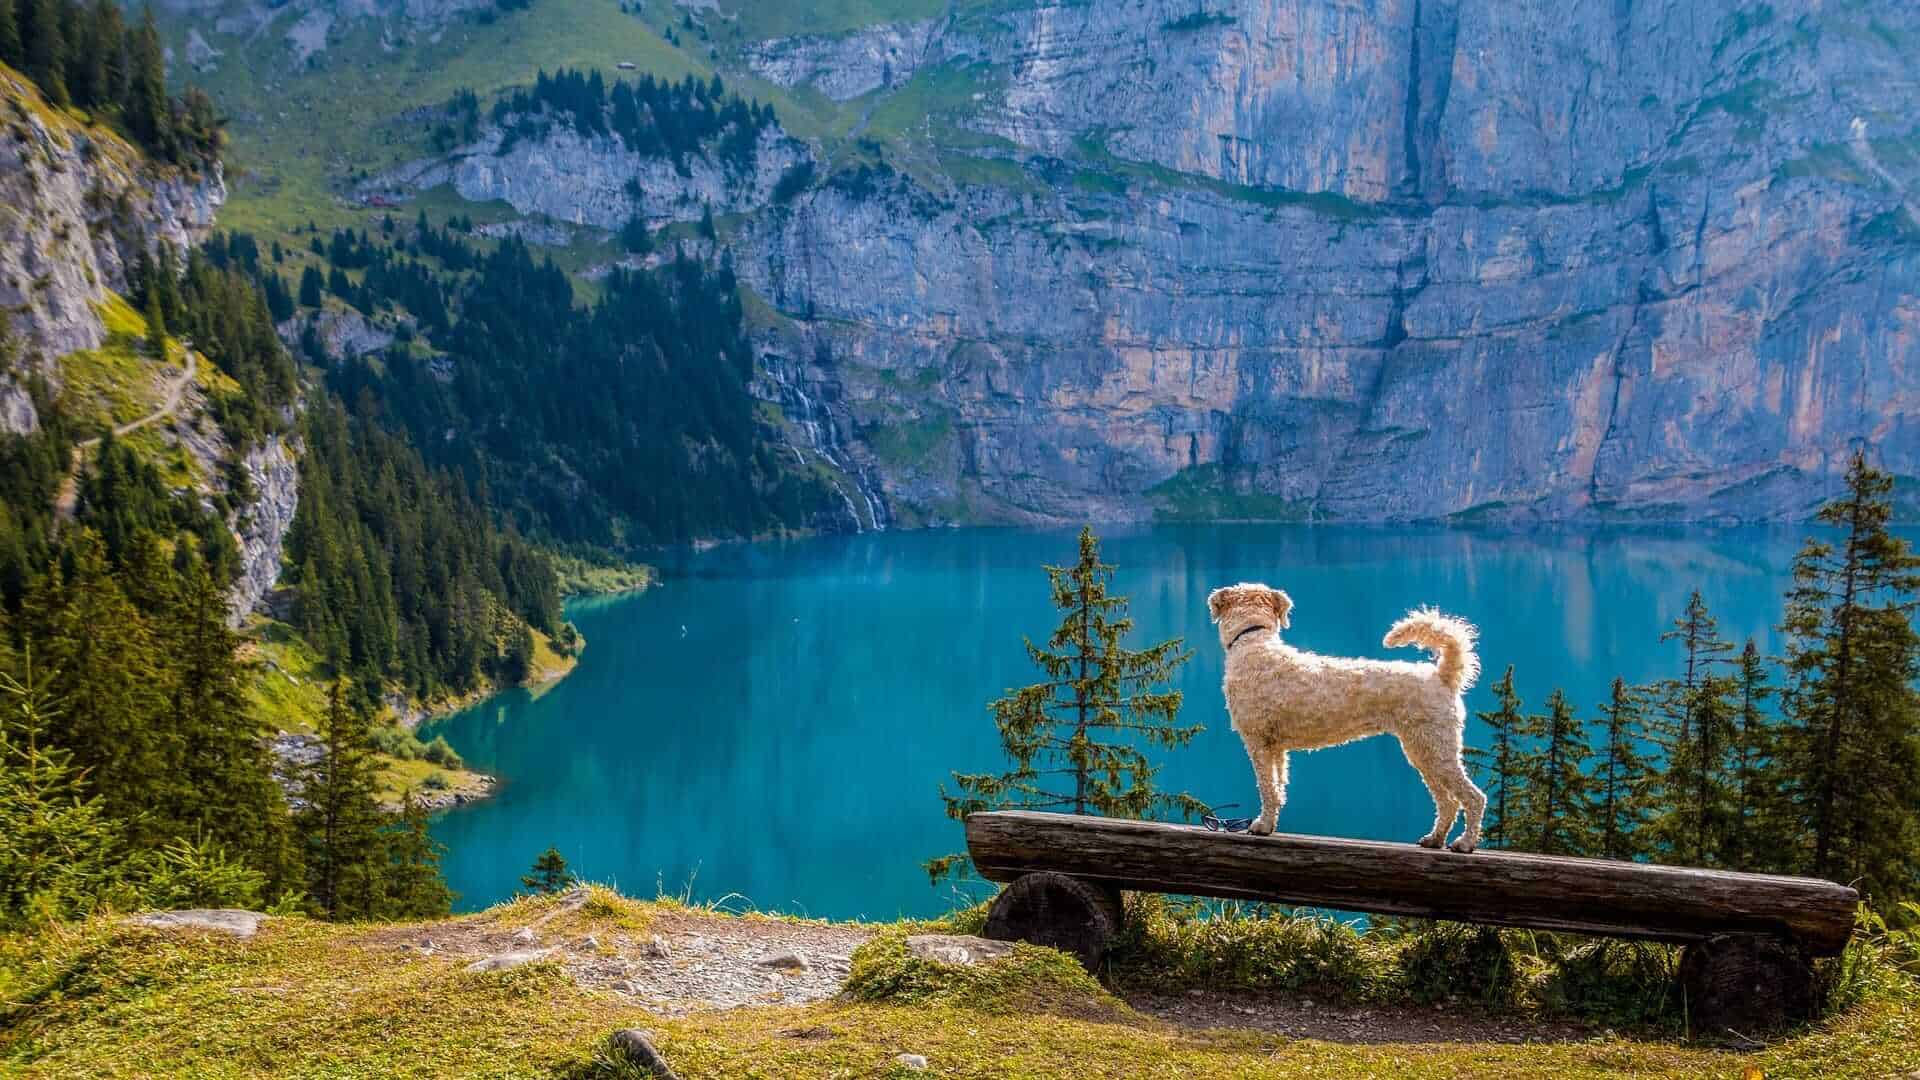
(884, 970)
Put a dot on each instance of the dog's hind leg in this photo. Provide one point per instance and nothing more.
(1445, 809)
(1474, 801)
(1270, 775)
(1432, 767)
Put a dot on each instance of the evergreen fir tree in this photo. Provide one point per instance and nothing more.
(45, 39)
(1499, 764)
(107, 671)
(11, 52)
(148, 114)
(156, 326)
(1696, 733)
(58, 846)
(1075, 740)
(345, 854)
(415, 888)
(1852, 658)
(1754, 840)
(1558, 805)
(549, 874)
(1622, 776)
(226, 778)
(312, 287)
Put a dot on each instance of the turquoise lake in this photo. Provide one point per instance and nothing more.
(774, 721)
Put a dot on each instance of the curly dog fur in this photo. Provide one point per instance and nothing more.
(1283, 699)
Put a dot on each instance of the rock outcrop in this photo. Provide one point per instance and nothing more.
(597, 180)
(1397, 260)
(273, 473)
(77, 204)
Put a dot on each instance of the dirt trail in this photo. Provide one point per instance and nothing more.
(69, 498)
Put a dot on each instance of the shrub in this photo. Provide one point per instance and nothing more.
(1174, 945)
(1029, 977)
(1438, 960)
(441, 753)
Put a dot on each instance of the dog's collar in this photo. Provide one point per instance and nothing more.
(1244, 633)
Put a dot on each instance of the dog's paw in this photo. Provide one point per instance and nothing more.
(1260, 828)
(1429, 841)
(1461, 846)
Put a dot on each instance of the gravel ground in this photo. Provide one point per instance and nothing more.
(684, 961)
(1305, 1018)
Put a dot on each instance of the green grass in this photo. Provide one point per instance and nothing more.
(912, 442)
(339, 116)
(1205, 493)
(783, 18)
(117, 382)
(595, 577)
(309, 999)
(1092, 149)
(288, 692)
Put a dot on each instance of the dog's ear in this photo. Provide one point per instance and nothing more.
(1219, 600)
(1282, 605)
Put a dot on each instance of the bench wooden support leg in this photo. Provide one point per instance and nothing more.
(1069, 914)
(1750, 984)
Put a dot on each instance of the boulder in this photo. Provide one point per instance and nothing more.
(507, 961)
(963, 949)
(233, 922)
(787, 960)
(637, 1047)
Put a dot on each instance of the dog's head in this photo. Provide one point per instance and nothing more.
(1237, 607)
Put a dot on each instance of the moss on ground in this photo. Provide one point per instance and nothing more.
(309, 999)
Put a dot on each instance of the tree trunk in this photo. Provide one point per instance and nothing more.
(1066, 913)
(1746, 984)
(1544, 892)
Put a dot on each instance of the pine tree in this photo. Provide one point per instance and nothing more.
(549, 874)
(1622, 777)
(1852, 657)
(45, 39)
(1498, 765)
(415, 888)
(156, 325)
(148, 113)
(345, 853)
(107, 671)
(312, 287)
(1754, 840)
(1075, 739)
(11, 51)
(1695, 731)
(58, 846)
(1558, 806)
(230, 794)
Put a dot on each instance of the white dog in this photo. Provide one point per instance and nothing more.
(1283, 699)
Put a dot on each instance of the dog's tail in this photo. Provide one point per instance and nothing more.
(1450, 640)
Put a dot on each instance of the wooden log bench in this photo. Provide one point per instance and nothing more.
(1750, 938)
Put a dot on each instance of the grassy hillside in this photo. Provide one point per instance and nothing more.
(317, 1000)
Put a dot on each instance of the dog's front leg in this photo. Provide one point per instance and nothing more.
(1270, 774)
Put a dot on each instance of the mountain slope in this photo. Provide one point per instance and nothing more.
(1414, 259)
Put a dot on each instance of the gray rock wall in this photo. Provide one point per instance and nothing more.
(76, 206)
(1513, 258)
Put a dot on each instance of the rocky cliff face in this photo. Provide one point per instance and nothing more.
(273, 472)
(1372, 259)
(77, 207)
(1383, 260)
(77, 204)
(597, 180)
